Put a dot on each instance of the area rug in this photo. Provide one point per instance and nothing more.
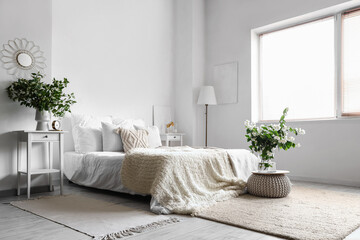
(96, 218)
(305, 214)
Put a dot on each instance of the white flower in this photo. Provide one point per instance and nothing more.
(285, 128)
(269, 153)
(276, 127)
(291, 139)
(247, 123)
(301, 131)
(283, 140)
(277, 138)
(298, 145)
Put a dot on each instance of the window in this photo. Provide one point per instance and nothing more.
(351, 63)
(297, 71)
(310, 64)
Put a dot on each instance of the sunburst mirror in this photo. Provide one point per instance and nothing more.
(21, 57)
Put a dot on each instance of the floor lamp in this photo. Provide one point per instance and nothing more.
(207, 97)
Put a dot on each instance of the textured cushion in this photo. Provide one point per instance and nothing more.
(111, 140)
(154, 135)
(90, 139)
(133, 138)
(85, 121)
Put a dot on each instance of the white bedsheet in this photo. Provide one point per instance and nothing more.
(97, 169)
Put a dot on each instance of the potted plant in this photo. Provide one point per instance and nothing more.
(266, 139)
(46, 98)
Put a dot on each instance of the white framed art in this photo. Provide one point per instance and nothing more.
(225, 82)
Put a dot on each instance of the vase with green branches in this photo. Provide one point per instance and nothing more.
(265, 139)
(46, 98)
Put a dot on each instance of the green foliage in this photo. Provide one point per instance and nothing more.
(265, 139)
(42, 96)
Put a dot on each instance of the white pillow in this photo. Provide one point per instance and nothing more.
(81, 120)
(111, 140)
(154, 135)
(90, 139)
(127, 123)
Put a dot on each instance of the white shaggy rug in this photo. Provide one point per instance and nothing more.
(96, 218)
(306, 214)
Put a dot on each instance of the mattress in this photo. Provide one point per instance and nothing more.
(96, 169)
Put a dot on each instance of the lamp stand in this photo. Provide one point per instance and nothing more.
(206, 117)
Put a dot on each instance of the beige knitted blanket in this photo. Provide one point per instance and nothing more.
(183, 179)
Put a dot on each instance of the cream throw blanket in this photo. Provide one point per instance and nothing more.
(184, 180)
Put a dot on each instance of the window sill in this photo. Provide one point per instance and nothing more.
(317, 120)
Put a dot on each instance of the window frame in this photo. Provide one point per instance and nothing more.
(341, 46)
(337, 12)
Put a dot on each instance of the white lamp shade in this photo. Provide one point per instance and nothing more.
(207, 95)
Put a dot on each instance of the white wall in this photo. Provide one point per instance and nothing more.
(30, 19)
(189, 68)
(330, 150)
(117, 55)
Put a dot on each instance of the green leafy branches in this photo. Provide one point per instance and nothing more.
(265, 139)
(42, 96)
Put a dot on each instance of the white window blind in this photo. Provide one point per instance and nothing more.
(351, 63)
(297, 71)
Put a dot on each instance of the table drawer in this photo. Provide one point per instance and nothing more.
(45, 137)
(174, 138)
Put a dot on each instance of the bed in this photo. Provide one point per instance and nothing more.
(102, 170)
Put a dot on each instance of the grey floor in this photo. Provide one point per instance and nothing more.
(18, 224)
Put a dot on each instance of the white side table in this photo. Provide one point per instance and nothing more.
(172, 137)
(47, 137)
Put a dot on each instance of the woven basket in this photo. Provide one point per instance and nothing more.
(271, 186)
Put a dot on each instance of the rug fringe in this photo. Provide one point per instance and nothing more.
(138, 229)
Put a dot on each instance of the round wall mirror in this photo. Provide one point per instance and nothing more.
(24, 59)
(21, 58)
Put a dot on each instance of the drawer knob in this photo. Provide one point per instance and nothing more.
(174, 136)
(45, 136)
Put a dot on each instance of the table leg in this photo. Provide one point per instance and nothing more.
(18, 167)
(28, 168)
(167, 142)
(61, 153)
(50, 146)
(181, 140)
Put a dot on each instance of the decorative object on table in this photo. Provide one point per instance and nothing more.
(269, 184)
(207, 97)
(44, 97)
(226, 83)
(56, 125)
(170, 127)
(265, 139)
(21, 57)
(172, 137)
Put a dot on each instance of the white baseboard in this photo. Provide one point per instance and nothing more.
(326, 181)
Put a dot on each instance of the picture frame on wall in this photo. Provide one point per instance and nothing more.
(225, 82)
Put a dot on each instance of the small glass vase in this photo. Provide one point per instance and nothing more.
(266, 166)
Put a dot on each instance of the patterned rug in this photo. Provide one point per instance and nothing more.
(96, 218)
(305, 214)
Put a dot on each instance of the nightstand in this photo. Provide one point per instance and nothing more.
(47, 137)
(172, 137)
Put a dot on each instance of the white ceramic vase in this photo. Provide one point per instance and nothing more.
(43, 119)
